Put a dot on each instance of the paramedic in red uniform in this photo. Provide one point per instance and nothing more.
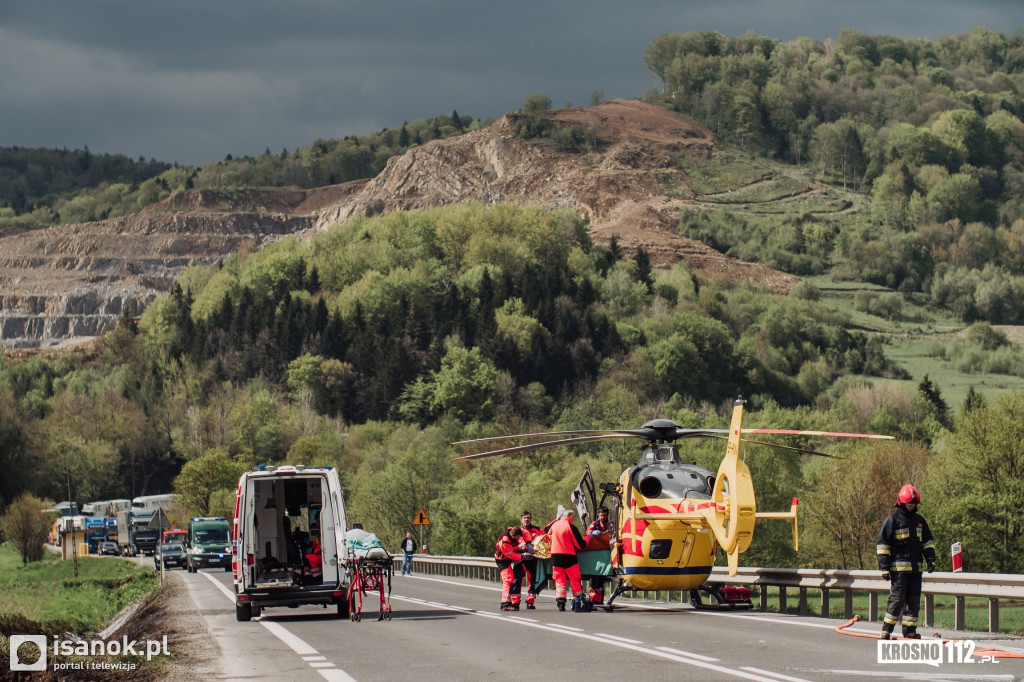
(529, 564)
(508, 553)
(902, 543)
(598, 537)
(565, 542)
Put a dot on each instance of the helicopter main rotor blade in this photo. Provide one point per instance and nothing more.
(790, 447)
(546, 434)
(838, 434)
(648, 434)
(537, 446)
(798, 432)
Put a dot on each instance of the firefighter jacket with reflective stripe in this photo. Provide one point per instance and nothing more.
(904, 539)
(565, 539)
(506, 550)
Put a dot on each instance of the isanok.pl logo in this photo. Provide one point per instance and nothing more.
(28, 652)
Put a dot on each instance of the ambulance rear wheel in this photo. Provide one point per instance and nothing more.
(243, 612)
(343, 608)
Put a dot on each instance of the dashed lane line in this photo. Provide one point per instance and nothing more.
(607, 641)
(310, 655)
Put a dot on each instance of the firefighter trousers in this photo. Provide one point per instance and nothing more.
(570, 575)
(511, 583)
(904, 601)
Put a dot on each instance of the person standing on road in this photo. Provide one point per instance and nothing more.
(565, 567)
(529, 564)
(509, 552)
(598, 537)
(408, 549)
(902, 542)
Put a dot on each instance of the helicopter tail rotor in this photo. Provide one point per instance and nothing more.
(735, 509)
(735, 512)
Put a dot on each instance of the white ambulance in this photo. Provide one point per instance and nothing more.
(288, 540)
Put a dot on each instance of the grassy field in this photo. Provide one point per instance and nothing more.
(911, 341)
(45, 597)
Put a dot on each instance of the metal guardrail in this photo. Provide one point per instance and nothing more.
(991, 586)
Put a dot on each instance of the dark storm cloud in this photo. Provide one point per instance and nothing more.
(193, 81)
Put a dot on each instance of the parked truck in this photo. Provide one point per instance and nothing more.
(95, 532)
(134, 536)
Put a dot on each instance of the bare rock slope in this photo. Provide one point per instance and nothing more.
(73, 281)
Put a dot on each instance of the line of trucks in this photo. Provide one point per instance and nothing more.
(286, 544)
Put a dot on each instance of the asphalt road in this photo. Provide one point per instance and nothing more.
(451, 629)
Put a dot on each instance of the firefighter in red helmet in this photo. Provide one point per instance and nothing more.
(903, 542)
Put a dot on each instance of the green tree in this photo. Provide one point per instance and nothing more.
(26, 525)
(204, 477)
(535, 102)
(978, 484)
(849, 499)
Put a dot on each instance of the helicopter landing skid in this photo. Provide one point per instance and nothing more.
(620, 587)
(730, 598)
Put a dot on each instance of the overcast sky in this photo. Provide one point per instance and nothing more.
(190, 82)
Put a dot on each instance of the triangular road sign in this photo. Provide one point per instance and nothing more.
(159, 520)
(421, 519)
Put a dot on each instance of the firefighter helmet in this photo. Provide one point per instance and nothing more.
(908, 493)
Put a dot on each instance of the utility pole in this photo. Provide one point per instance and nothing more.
(74, 541)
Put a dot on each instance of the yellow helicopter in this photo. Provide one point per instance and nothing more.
(672, 516)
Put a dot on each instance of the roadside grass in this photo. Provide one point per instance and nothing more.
(1011, 613)
(44, 597)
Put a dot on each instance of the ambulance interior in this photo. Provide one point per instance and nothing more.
(286, 530)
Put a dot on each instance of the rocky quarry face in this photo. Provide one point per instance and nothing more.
(71, 282)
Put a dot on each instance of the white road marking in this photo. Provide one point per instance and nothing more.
(618, 639)
(622, 645)
(774, 621)
(866, 674)
(778, 676)
(680, 652)
(296, 644)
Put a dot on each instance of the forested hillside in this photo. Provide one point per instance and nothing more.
(41, 187)
(381, 341)
(929, 131)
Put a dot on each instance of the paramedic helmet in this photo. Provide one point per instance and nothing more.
(908, 495)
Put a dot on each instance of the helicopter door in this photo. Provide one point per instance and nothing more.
(585, 497)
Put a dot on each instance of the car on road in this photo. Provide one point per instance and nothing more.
(110, 547)
(171, 554)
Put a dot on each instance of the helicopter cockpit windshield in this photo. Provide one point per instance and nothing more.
(662, 474)
(661, 453)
